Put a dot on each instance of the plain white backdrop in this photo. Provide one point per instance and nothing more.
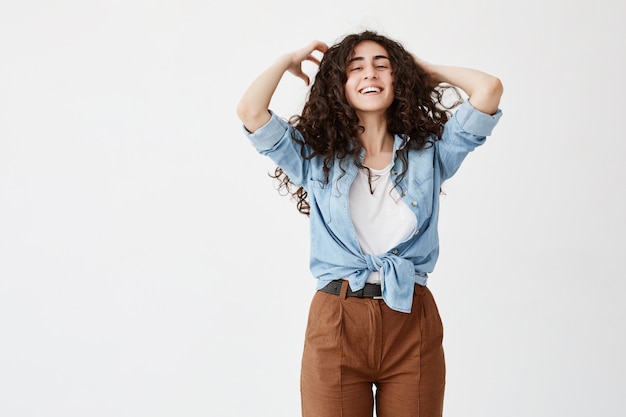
(148, 268)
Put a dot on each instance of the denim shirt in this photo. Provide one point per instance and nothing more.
(335, 251)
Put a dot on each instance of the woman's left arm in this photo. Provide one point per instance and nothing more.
(484, 90)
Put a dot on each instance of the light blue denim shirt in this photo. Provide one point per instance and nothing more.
(335, 251)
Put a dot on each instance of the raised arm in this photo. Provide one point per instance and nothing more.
(254, 104)
(484, 90)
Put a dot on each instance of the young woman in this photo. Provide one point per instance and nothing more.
(366, 160)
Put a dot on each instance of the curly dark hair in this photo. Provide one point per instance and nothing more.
(330, 127)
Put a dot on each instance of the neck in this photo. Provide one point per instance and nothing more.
(375, 135)
(377, 141)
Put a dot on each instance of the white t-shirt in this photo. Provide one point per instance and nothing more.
(381, 218)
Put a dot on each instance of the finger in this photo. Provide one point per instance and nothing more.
(304, 78)
(317, 46)
(313, 59)
(322, 47)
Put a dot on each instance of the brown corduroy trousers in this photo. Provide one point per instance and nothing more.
(354, 344)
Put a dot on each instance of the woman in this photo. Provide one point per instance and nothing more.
(366, 160)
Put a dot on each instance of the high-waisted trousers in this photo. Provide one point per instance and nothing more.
(360, 354)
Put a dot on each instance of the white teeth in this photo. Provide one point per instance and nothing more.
(370, 90)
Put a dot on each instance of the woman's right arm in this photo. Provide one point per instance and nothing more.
(254, 104)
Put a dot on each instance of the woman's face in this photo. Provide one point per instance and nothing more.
(369, 84)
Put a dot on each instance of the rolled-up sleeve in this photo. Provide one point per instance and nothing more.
(476, 122)
(465, 131)
(265, 138)
(275, 140)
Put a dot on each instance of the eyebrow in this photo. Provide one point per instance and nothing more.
(360, 58)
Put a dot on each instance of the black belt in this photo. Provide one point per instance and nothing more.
(369, 291)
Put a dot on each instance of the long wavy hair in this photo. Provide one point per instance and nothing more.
(330, 127)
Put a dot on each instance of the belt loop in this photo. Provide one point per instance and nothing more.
(344, 289)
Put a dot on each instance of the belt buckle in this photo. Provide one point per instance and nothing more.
(378, 297)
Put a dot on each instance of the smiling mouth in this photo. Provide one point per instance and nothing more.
(369, 90)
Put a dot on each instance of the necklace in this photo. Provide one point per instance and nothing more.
(371, 180)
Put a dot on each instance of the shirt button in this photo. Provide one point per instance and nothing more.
(414, 203)
(416, 232)
(395, 251)
(394, 172)
(405, 192)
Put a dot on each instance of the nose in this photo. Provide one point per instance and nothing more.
(370, 72)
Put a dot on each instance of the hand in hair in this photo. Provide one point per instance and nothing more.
(484, 90)
(253, 106)
(297, 57)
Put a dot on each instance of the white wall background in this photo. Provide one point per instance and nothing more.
(148, 267)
